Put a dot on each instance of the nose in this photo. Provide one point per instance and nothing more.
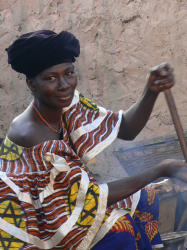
(63, 84)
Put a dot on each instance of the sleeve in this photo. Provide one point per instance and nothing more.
(91, 128)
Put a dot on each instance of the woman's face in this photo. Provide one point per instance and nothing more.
(55, 86)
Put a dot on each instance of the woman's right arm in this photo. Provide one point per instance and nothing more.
(121, 189)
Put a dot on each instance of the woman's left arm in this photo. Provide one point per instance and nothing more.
(134, 119)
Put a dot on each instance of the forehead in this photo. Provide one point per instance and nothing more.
(57, 68)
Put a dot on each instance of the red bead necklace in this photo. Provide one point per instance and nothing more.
(54, 130)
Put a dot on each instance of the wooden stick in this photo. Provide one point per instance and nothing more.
(176, 121)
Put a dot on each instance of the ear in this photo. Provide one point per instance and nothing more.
(31, 84)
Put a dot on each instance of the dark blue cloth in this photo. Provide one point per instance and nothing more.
(144, 223)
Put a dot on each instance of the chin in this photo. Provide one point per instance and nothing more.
(66, 104)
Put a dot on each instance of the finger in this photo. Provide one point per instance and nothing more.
(161, 70)
(163, 65)
(163, 81)
(164, 73)
(158, 88)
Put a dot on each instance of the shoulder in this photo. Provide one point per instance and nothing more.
(80, 101)
(87, 103)
(21, 130)
(26, 131)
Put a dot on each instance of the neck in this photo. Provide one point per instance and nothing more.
(50, 114)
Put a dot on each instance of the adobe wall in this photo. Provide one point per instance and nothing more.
(120, 41)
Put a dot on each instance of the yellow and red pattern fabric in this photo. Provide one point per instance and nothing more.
(46, 207)
(123, 225)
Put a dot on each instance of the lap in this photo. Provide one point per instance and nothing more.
(137, 232)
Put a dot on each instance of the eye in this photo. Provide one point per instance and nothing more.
(70, 73)
(51, 78)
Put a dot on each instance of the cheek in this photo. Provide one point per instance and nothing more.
(74, 84)
(43, 94)
(49, 90)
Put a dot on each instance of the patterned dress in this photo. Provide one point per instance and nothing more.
(48, 200)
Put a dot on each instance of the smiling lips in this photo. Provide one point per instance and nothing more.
(65, 98)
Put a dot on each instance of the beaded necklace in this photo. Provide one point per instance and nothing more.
(54, 130)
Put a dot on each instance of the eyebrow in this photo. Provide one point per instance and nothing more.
(55, 72)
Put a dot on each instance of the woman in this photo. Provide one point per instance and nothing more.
(44, 181)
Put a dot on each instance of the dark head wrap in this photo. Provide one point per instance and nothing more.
(36, 51)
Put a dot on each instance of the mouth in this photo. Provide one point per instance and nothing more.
(65, 98)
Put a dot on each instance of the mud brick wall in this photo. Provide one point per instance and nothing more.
(120, 41)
